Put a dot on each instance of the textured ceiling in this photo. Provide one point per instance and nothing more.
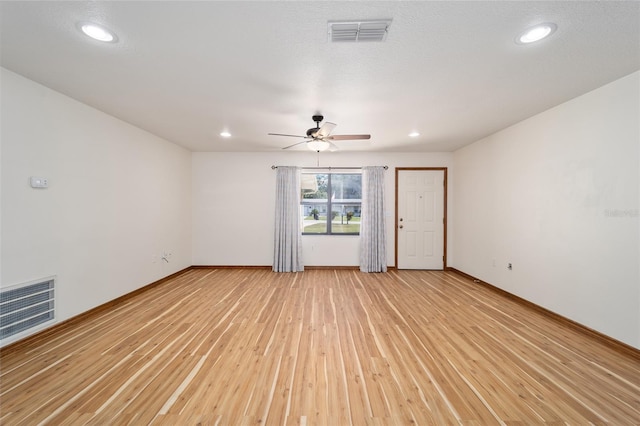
(186, 71)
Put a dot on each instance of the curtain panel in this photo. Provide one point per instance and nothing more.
(373, 235)
(287, 250)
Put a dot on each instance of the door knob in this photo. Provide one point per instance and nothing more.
(400, 226)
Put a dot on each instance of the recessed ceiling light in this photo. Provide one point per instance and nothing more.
(98, 32)
(414, 134)
(225, 134)
(536, 33)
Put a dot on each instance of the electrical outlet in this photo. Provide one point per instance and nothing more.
(39, 182)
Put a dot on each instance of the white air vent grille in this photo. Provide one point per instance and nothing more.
(342, 31)
(26, 306)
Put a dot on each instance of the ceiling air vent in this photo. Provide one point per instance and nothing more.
(350, 31)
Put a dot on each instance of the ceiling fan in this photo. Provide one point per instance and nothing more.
(319, 138)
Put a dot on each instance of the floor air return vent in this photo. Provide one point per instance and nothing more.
(26, 306)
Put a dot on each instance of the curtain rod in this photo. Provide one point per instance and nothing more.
(330, 168)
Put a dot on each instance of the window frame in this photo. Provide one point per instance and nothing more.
(329, 203)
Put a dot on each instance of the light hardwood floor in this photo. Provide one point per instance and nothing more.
(325, 347)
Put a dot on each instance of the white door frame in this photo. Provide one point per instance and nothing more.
(444, 172)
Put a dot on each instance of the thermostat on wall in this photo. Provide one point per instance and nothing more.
(39, 182)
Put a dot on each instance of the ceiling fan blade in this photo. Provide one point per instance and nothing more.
(332, 147)
(297, 143)
(282, 134)
(325, 130)
(347, 137)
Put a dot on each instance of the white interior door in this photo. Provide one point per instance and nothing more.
(420, 220)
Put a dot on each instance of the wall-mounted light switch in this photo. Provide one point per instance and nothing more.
(39, 182)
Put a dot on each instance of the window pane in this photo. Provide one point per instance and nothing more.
(346, 187)
(314, 217)
(345, 219)
(317, 191)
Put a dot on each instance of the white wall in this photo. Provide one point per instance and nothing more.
(117, 198)
(233, 205)
(557, 195)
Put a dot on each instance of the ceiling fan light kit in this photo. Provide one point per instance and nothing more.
(318, 146)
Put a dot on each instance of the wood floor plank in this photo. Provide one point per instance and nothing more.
(323, 347)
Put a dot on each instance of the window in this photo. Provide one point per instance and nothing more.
(331, 203)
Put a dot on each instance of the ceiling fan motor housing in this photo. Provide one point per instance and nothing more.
(312, 131)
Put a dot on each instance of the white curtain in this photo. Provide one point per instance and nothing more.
(287, 250)
(373, 236)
